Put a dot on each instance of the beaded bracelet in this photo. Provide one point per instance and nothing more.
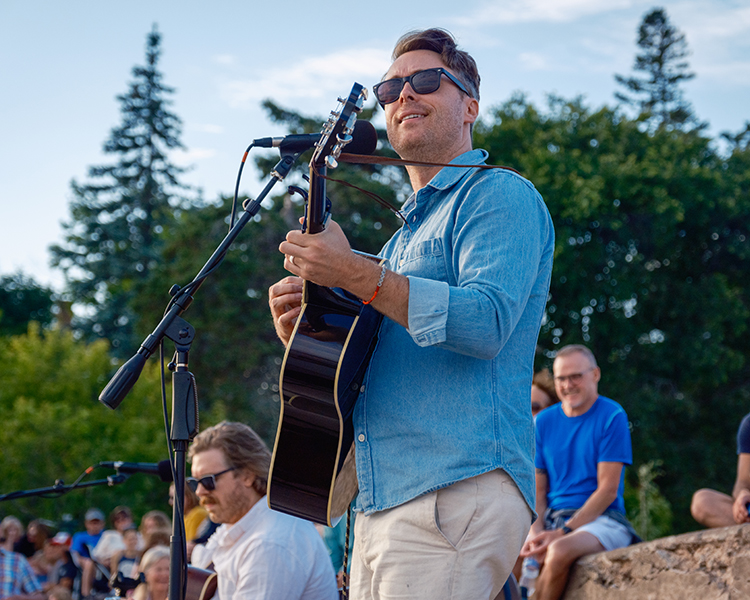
(380, 282)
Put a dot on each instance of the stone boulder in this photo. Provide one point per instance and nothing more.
(713, 564)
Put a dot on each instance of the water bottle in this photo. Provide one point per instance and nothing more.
(529, 573)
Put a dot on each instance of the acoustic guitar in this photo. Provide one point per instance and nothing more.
(312, 473)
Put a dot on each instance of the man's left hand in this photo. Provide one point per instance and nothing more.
(325, 258)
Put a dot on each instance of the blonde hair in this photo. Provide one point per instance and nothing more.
(242, 448)
(149, 559)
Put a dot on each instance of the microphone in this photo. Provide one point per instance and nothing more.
(364, 140)
(163, 468)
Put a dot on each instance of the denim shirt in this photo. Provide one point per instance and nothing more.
(449, 398)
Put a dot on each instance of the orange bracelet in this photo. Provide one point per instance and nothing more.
(380, 283)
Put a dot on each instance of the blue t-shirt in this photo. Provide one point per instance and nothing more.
(83, 542)
(743, 436)
(569, 449)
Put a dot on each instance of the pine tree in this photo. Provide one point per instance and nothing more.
(119, 219)
(662, 59)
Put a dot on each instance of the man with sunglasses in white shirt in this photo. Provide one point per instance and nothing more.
(257, 553)
(583, 445)
(443, 429)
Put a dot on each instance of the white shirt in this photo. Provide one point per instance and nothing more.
(268, 555)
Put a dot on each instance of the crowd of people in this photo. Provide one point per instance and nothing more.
(87, 563)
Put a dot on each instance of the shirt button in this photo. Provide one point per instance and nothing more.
(361, 437)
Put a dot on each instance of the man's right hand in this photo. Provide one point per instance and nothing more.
(739, 508)
(285, 300)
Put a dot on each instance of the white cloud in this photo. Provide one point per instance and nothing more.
(225, 59)
(185, 158)
(316, 77)
(207, 128)
(533, 61)
(495, 12)
(710, 21)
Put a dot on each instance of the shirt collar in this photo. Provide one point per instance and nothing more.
(449, 176)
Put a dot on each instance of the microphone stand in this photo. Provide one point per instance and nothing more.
(184, 396)
(60, 488)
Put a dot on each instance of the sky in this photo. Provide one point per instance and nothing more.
(62, 64)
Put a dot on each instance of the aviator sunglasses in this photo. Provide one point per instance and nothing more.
(208, 482)
(422, 82)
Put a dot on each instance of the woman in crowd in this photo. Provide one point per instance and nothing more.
(155, 569)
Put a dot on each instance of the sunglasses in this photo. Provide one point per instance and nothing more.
(422, 82)
(208, 482)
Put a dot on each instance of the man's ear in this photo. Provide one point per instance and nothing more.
(247, 477)
(472, 110)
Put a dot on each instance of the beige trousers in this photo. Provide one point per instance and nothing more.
(459, 543)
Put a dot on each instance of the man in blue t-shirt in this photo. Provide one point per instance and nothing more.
(712, 508)
(582, 447)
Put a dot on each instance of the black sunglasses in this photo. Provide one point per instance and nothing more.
(422, 82)
(208, 482)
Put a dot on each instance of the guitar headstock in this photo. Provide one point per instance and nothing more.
(337, 130)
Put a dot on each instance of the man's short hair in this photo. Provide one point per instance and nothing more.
(573, 348)
(443, 43)
(242, 448)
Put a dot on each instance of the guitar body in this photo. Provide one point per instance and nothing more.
(201, 584)
(321, 377)
(312, 473)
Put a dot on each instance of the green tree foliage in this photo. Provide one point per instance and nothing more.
(54, 427)
(650, 272)
(120, 219)
(662, 60)
(22, 300)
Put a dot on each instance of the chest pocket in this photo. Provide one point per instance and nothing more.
(425, 259)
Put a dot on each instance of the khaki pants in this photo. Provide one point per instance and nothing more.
(459, 543)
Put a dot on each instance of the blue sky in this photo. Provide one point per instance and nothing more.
(62, 64)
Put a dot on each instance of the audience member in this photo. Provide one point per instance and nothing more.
(33, 540)
(111, 541)
(11, 530)
(92, 579)
(58, 565)
(17, 580)
(85, 541)
(579, 491)
(152, 520)
(712, 508)
(543, 393)
(126, 561)
(155, 569)
(257, 552)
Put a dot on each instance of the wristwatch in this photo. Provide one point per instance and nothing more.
(566, 530)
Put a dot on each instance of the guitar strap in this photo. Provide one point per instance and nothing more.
(363, 159)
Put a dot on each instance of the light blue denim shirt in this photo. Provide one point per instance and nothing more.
(450, 398)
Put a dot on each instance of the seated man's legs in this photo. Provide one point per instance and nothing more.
(602, 534)
(712, 509)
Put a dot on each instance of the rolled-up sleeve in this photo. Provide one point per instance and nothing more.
(495, 246)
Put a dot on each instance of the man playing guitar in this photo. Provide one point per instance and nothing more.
(443, 433)
(257, 553)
